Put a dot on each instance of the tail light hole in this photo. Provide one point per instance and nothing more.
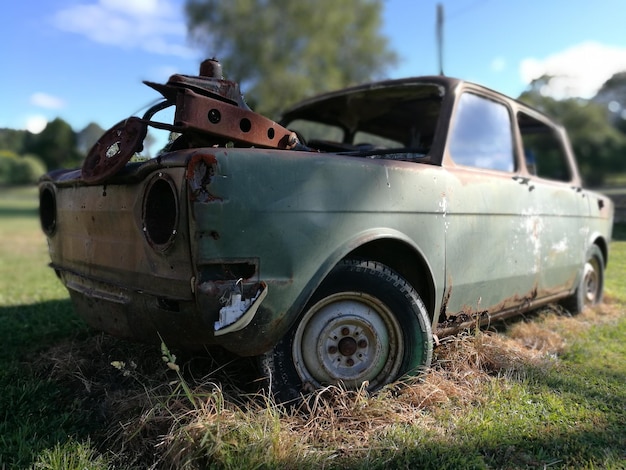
(47, 210)
(160, 213)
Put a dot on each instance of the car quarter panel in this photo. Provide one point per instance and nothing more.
(297, 214)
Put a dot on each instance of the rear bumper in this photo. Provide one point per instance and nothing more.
(146, 317)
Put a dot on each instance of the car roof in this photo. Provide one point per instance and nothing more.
(446, 83)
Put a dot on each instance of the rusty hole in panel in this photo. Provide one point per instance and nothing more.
(245, 125)
(200, 170)
(168, 304)
(228, 271)
(214, 116)
(160, 212)
(270, 133)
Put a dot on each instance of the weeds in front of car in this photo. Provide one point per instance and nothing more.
(544, 392)
(492, 399)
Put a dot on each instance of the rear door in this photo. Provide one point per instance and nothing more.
(561, 204)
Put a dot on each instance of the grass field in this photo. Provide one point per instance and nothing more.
(546, 391)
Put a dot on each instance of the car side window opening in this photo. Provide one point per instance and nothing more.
(543, 149)
(481, 135)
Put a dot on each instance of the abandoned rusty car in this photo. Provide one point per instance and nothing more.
(336, 244)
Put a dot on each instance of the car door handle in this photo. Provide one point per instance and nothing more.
(524, 181)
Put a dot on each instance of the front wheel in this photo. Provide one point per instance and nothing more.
(364, 325)
(590, 288)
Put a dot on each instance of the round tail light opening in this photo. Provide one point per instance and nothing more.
(48, 210)
(160, 212)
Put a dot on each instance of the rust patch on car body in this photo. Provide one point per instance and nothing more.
(200, 170)
(469, 317)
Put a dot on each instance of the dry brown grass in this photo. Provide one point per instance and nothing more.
(150, 421)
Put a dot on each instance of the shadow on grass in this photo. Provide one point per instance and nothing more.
(58, 383)
(30, 327)
(37, 412)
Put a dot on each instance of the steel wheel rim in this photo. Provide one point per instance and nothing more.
(348, 338)
(591, 281)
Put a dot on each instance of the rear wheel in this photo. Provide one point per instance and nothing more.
(591, 285)
(364, 325)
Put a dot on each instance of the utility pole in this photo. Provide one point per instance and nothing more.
(440, 36)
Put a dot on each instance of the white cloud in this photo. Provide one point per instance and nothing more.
(140, 7)
(498, 64)
(36, 124)
(580, 70)
(152, 25)
(43, 100)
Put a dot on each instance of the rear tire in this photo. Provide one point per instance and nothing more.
(364, 324)
(591, 285)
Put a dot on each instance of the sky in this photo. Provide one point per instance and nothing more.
(84, 60)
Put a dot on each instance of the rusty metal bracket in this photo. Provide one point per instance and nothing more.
(209, 115)
(205, 104)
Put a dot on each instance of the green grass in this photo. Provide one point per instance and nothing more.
(36, 413)
(62, 404)
(615, 284)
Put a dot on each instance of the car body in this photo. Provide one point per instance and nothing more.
(337, 244)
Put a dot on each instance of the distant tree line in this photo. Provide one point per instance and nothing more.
(25, 156)
(596, 127)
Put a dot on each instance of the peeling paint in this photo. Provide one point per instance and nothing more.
(533, 227)
(561, 246)
(443, 208)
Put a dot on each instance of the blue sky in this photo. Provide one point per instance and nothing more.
(84, 60)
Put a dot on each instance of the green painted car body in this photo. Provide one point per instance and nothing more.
(472, 198)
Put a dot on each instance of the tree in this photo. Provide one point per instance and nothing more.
(598, 146)
(12, 139)
(283, 50)
(55, 145)
(87, 137)
(612, 94)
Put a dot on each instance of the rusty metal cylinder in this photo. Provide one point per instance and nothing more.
(211, 68)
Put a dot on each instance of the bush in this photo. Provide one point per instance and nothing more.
(28, 169)
(20, 170)
(7, 162)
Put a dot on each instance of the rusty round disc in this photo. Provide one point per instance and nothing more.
(113, 150)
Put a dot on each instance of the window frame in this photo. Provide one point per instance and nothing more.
(558, 135)
(513, 131)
